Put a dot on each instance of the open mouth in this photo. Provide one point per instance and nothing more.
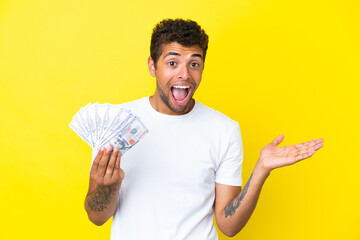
(180, 93)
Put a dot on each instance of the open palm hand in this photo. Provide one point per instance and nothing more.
(273, 156)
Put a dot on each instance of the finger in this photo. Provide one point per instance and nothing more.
(305, 145)
(118, 172)
(104, 161)
(96, 161)
(278, 140)
(111, 164)
(301, 155)
(117, 164)
(311, 143)
(318, 146)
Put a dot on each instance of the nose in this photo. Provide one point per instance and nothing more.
(183, 72)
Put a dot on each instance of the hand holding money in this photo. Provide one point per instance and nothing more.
(110, 131)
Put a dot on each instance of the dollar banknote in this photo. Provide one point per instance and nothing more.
(106, 124)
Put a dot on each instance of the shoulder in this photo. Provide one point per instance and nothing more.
(138, 103)
(216, 118)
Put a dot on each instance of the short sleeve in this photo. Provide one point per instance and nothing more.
(230, 168)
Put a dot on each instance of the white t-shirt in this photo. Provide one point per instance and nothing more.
(169, 187)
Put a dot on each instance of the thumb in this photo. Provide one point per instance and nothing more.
(278, 140)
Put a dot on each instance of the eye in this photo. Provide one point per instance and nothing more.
(171, 63)
(195, 64)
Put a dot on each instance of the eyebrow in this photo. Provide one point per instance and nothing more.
(178, 54)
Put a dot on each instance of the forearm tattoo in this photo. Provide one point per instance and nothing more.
(235, 203)
(101, 198)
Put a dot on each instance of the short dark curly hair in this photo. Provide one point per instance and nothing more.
(185, 32)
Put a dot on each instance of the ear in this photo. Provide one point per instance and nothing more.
(151, 66)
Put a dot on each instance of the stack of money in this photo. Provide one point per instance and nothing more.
(106, 124)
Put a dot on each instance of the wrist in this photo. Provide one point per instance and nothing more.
(261, 170)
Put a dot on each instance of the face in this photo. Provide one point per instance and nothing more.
(178, 74)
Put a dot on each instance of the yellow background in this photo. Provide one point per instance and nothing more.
(275, 66)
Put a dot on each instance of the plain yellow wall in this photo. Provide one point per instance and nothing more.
(275, 66)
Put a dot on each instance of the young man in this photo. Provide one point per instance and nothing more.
(188, 167)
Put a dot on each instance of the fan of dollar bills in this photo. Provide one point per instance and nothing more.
(106, 124)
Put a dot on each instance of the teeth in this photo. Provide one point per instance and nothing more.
(181, 87)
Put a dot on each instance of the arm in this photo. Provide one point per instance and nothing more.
(234, 207)
(105, 181)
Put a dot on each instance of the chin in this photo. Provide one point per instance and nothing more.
(181, 108)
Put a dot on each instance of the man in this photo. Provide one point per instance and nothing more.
(188, 168)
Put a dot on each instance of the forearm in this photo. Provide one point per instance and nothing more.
(238, 211)
(101, 204)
